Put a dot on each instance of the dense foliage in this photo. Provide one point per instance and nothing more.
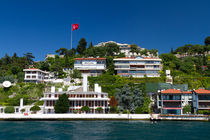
(35, 108)
(187, 109)
(129, 99)
(99, 109)
(9, 109)
(30, 92)
(85, 109)
(62, 104)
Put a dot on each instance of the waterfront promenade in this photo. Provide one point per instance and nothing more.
(75, 117)
(154, 117)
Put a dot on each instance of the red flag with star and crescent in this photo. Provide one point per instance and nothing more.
(75, 27)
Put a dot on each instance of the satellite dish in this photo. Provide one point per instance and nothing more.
(6, 84)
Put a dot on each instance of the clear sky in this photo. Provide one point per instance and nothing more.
(43, 26)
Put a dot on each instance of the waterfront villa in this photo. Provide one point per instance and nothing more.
(90, 66)
(124, 48)
(36, 75)
(78, 99)
(138, 66)
(172, 101)
(201, 99)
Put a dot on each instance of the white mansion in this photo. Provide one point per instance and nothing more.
(92, 99)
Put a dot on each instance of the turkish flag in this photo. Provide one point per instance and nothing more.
(75, 27)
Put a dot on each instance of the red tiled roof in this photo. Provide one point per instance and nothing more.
(201, 91)
(90, 59)
(150, 58)
(187, 92)
(135, 58)
(171, 91)
(33, 69)
(175, 91)
(123, 74)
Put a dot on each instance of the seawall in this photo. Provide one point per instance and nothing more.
(75, 117)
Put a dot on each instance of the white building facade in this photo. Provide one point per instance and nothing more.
(138, 67)
(36, 75)
(92, 99)
(90, 66)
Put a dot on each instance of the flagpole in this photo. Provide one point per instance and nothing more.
(71, 36)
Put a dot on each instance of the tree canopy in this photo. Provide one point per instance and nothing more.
(62, 104)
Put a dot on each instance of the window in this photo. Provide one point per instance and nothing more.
(78, 62)
(33, 76)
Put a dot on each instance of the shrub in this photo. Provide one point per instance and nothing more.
(39, 103)
(75, 111)
(99, 109)
(35, 108)
(138, 110)
(187, 109)
(23, 110)
(85, 109)
(113, 109)
(126, 112)
(205, 112)
(9, 109)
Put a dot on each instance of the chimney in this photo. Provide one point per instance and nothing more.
(97, 88)
(21, 102)
(53, 89)
(60, 90)
(85, 82)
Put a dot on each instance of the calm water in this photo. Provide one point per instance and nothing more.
(103, 130)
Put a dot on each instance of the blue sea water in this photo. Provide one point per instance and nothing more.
(104, 130)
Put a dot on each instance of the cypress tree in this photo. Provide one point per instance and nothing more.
(62, 104)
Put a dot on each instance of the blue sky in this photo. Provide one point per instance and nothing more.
(43, 26)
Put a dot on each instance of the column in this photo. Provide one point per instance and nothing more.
(94, 106)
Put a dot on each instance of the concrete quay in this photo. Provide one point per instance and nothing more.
(75, 117)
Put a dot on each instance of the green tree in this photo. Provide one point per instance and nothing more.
(113, 109)
(110, 64)
(124, 98)
(22, 110)
(81, 47)
(72, 52)
(172, 51)
(99, 109)
(207, 40)
(85, 109)
(29, 56)
(62, 104)
(62, 51)
(76, 74)
(35, 108)
(112, 49)
(187, 109)
(138, 110)
(134, 48)
(9, 109)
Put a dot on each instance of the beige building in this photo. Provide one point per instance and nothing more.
(138, 66)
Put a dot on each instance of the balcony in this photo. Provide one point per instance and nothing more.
(204, 107)
(172, 105)
(171, 100)
(90, 67)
